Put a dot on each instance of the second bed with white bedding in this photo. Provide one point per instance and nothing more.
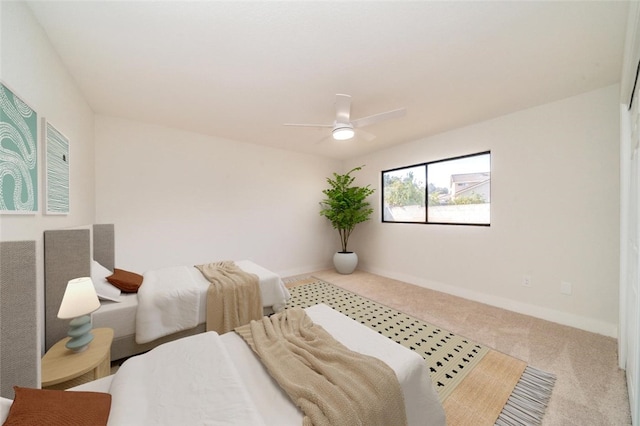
(181, 380)
(139, 320)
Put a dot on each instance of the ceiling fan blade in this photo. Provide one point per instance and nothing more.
(343, 108)
(361, 134)
(366, 121)
(307, 125)
(323, 139)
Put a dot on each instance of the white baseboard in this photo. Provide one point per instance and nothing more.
(559, 317)
(304, 270)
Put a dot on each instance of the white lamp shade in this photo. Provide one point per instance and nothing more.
(79, 299)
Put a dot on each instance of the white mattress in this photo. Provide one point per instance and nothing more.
(272, 288)
(121, 316)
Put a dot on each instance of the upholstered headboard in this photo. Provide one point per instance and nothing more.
(19, 358)
(104, 251)
(67, 255)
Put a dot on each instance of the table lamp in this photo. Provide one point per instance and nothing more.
(79, 300)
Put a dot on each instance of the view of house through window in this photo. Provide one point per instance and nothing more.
(451, 191)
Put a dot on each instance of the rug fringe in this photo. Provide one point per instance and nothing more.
(528, 401)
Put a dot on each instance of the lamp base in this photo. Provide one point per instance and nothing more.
(79, 333)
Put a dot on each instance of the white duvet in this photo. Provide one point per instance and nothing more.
(217, 380)
(184, 382)
(174, 299)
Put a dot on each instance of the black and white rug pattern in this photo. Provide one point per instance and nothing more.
(449, 357)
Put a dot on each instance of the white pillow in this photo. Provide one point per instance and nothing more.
(104, 289)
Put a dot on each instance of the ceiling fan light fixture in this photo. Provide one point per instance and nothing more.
(343, 133)
(342, 127)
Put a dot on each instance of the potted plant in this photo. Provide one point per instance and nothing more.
(345, 207)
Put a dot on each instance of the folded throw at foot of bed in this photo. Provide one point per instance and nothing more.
(330, 383)
(233, 298)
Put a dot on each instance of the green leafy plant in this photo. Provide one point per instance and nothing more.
(345, 205)
(469, 199)
(403, 191)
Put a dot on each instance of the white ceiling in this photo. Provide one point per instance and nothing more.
(239, 70)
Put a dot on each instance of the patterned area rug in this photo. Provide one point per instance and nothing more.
(476, 384)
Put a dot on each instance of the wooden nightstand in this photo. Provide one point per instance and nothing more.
(63, 369)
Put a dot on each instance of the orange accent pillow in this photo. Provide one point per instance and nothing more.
(126, 281)
(58, 408)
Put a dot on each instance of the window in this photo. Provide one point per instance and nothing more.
(403, 194)
(451, 191)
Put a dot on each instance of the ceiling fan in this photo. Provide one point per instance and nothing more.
(343, 127)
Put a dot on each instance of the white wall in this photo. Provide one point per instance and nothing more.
(554, 215)
(32, 69)
(181, 198)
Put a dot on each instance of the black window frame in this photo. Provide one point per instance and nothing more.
(426, 191)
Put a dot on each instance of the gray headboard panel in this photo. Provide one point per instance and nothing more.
(104, 251)
(67, 255)
(19, 358)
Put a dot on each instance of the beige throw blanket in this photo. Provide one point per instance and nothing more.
(233, 298)
(330, 383)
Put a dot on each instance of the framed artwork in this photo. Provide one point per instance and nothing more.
(57, 169)
(18, 155)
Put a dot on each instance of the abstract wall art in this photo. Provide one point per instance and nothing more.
(18, 154)
(57, 170)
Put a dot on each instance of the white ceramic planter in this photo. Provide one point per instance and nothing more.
(345, 263)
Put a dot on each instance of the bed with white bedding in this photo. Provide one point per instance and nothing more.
(174, 299)
(211, 379)
(139, 323)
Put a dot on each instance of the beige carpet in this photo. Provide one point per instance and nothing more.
(589, 389)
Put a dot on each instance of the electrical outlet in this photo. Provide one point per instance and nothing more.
(526, 280)
(565, 287)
